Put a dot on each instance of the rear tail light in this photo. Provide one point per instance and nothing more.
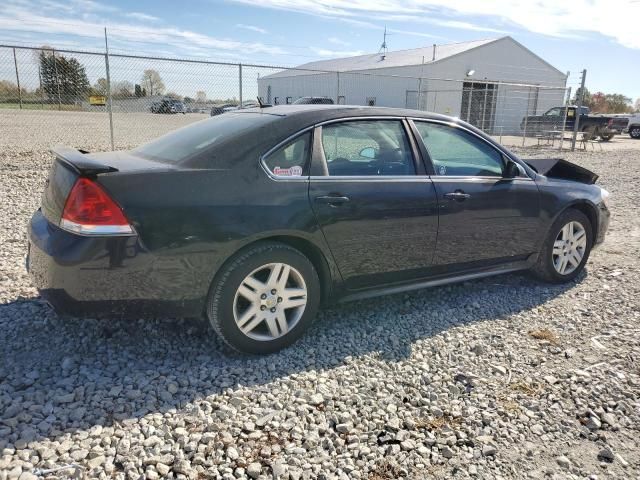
(89, 210)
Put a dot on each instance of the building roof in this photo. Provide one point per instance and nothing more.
(398, 58)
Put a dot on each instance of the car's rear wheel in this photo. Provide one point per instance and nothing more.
(264, 298)
(607, 137)
(566, 248)
(634, 131)
(590, 133)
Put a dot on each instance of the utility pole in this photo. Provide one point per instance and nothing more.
(580, 101)
(109, 104)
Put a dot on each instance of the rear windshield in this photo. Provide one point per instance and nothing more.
(193, 140)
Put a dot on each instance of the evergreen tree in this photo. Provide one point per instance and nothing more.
(63, 76)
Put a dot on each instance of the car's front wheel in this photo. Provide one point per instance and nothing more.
(264, 298)
(566, 248)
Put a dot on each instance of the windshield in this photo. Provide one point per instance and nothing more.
(192, 140)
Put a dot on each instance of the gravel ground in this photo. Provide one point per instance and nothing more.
(500, 378)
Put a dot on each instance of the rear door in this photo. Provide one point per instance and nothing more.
(485, 218)
(374, 202)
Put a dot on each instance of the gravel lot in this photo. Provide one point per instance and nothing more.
(500, 378)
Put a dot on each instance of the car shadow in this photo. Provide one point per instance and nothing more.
(59, 375)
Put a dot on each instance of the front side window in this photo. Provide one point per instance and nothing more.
(554, 112)
(290, 160)
(455, 152)
(367, 148)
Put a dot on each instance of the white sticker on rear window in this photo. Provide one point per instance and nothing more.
(294, 171)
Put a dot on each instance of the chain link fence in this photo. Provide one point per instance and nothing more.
(101, 101)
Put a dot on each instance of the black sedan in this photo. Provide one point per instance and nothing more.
(257, 217)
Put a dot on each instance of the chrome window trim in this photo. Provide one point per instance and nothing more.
(495, 146)
(435, 177)
(372, 178)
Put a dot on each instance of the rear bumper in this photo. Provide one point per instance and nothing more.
(103, 275)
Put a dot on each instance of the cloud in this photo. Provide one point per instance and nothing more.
(253, 28)
(337, 41)
(23, 16)
(142, 16)
(324, 52)
(568, 19)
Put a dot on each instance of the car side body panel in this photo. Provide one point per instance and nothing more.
(189, 219)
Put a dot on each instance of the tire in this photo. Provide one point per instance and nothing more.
(634, 131)
(248, 275)
(606, 138)
(589, 133)
(546, 265)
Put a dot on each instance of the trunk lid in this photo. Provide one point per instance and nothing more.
(70, 164)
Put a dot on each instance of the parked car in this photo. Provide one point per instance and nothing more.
(168, 105)
(619, 122)
(633, 126)
(220, 109)
(254, 220)
(313, 101)
(554, 118)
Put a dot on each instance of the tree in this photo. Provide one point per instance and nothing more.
(586, 100)
(636, 106)
(8, 89)
(152, 82)
(617, 103)
(174, 95)
(122, 89)
(597, 103)
(201, 97)
(187, 100)
(138, 91)
(100, 87)
(63, 78)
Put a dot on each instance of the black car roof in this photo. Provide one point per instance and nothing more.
(320, 112)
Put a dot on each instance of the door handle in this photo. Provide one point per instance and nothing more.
(458, 195)
(332, 199)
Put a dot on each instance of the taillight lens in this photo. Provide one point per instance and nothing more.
(90, 210)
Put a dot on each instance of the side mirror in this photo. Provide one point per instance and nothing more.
(368, 152)
(511, 170)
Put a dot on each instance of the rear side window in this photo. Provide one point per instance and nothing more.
(291, 159)
(197, 138)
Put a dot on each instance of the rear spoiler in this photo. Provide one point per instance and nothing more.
(79, 162)
(559, 168)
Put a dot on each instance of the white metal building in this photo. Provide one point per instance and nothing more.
(491, 83)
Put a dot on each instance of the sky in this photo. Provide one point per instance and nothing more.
(572, 35)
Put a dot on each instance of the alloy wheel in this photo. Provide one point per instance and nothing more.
(270, 301)
(569, 248)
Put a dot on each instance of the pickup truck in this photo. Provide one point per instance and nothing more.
(592, 125)
(633, 127)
